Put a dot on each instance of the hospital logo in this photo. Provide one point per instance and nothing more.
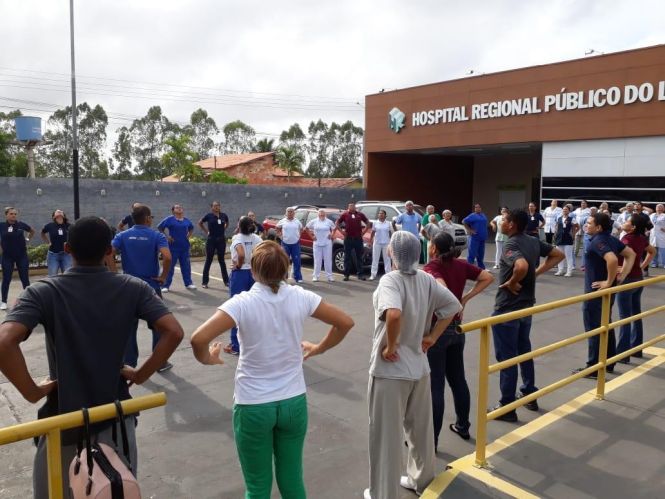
(396, 121)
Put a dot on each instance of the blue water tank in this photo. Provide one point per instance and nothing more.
(28, 128)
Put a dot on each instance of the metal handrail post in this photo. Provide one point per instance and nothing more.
(483, 382)
(54, 464)
(602, 346)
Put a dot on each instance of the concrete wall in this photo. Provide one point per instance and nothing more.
(35, 209)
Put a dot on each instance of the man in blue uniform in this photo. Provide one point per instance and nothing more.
(217, 222)
(140, 248)
(476, 225)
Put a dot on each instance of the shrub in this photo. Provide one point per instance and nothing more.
(37, 255)
(197, 246)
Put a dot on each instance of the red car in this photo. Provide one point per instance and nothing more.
(308, 213)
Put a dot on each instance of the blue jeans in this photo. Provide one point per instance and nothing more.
(293, 250)
(22, 264)
(446, 362)
(60, 261)
(510, 340)
(591, 315)
(476, 252)
(215, 245)
(132, 348)
(353, 255)
(180, 255)
(241, 280)
(630, 303)
(659, 258)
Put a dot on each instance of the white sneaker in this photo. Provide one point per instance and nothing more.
(569, 274)
(495, 267)
(366, 494)
(191, 286)
(407, 483)
(371, 278)
(559, 272)
(300, 281)
(331, 279)
(3, 306)
(165, 290)
(315, 279)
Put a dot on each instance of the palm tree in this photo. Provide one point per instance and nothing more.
(290, 159)
(265, 145)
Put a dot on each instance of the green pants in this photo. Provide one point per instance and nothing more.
(264, 430)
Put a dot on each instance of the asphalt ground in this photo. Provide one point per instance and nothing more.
(186, 449)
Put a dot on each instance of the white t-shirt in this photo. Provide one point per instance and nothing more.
(290, 230)
(382, 232)
(249, 242)
(657, 232)
(447, 227)
(417, 296)
(500, 236)
(551, 215)
(270, 329)
(321, 229)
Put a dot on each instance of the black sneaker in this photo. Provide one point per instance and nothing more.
(362, 278)
(593, 375)
(509, 417)
(532, 406)
(204, 286)
(460, 430)
(346, 278)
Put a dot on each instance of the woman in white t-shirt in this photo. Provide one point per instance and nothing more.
(658, 235)
(242, 246)
(500, 237)
(321, 231)
(270, 406)
(382, 229)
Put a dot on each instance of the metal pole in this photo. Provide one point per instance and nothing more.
(483, 381)
(602, 345)
(75, 140)
(54, 464)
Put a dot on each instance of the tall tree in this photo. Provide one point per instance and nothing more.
(122, 155)
(203, 129)
(179, 158)
(347, 157)
(294, 138)
(290, 160)
(92, 123)
(13, 160)
(239, 138)
(320, 146)
(265, 145)
(148, 135)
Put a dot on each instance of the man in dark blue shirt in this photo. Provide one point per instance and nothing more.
(139, 249)
(13, 235)
(600, 272)
(128, 221)
(476, 225)
(536, 221)
(216, 242)
(258, 228)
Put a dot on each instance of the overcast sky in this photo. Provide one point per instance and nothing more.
(271, 64)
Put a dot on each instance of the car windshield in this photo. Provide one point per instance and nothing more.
(333, 216)
(416, 207)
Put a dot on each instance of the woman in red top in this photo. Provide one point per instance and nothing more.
(630, 302)
(446, 356)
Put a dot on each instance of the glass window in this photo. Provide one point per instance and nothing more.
(369, 211)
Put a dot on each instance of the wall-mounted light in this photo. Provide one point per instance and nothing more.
(286, 194)
(353, 196)
(248, 194)
(157, 193)
(321, 195)
(39, 191)
(103, 192)
(203, 194)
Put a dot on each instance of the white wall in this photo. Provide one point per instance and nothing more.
(632, 157)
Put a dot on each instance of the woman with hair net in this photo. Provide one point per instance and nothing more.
(399, 397)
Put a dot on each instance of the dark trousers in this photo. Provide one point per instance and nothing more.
(353, 253)
(8, 262)
(132, 348)
(241, 280)
(630, 303)
(510, 340)
(476, 255)
(591, 314)
(217, 245)
(446, 362)
(549, 236)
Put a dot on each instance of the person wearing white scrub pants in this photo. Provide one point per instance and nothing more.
(321, 230)
(381, 232)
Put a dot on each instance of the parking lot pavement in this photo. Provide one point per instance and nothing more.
(186, 449)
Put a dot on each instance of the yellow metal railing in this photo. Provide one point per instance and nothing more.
(485, 369)
(51, 427)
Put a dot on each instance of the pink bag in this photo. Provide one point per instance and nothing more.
(97, 472)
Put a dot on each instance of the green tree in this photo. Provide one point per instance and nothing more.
(294, 138)
(221, 177)
(13, 159)
(265, 145)
(320, 147)
(57, 156)
(148, 137)
(179, 159)
(121, 162)
(347, 156)
(203, 130)
(290, 160)
(239, 138)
